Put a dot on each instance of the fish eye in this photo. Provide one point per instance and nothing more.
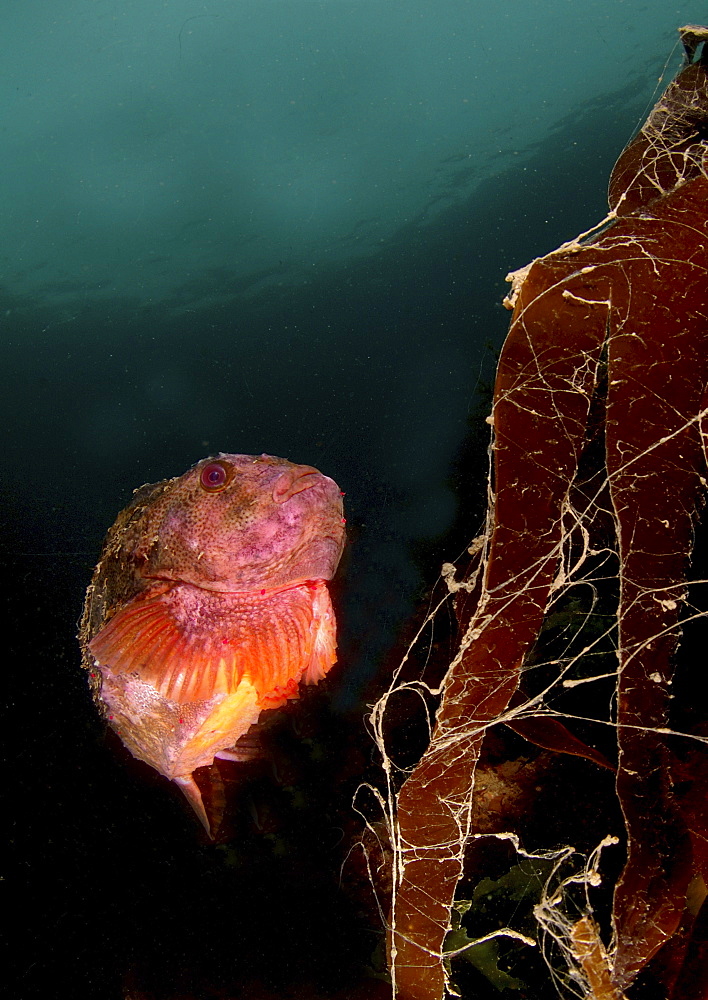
(215, 477)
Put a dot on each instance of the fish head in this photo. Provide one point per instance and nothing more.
(238, 523)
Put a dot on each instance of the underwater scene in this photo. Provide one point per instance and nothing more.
(355, 423)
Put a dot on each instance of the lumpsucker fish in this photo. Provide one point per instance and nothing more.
(210, 604)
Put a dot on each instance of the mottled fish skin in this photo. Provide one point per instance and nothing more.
(210, 604)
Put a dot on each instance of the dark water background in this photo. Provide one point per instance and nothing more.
(373, 369)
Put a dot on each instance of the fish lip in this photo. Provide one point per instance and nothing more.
(297, 480)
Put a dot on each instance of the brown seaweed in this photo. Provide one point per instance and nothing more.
(618, 315)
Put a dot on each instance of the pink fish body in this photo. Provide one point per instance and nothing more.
(210, 604)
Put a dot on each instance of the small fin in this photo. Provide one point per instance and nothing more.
(279, 695)
(235, 756)
(192, 794)
(324, 646)
(249, 746)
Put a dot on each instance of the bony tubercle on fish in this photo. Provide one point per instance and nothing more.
(210, 604)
